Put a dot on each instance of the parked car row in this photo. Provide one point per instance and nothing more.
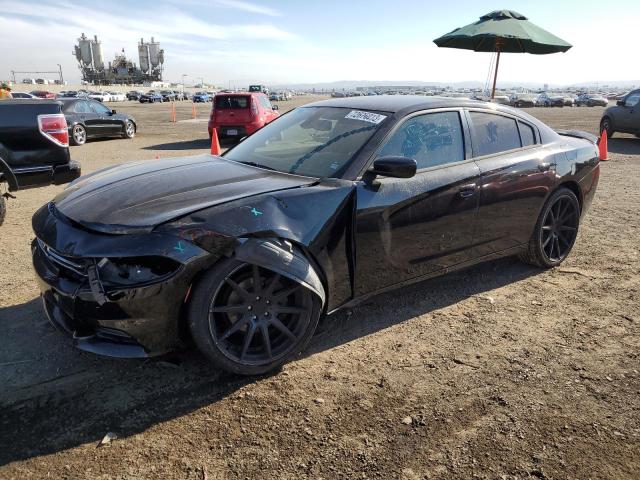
(280, 96)
(522, 100)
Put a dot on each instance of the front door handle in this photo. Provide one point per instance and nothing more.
(544, 167)
(467, 191)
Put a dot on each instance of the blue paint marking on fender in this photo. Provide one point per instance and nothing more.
(256, 212)
(179, 247)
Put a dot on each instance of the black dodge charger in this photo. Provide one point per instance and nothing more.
(330, 204)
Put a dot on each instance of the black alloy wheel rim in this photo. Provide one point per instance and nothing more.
(257, 316)
(559, 229)
(605, 126)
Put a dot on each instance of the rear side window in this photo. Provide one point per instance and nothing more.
(491, 133)
(99, 108)
(431, 140)
(527, 136)
(82, 107)
(231, 102)
(264, 101)
(632, 100)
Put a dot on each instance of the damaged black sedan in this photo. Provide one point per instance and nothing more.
(330, 204)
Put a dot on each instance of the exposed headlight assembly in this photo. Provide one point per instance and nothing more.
(128, 271)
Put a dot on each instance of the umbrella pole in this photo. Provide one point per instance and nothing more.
(495, 76)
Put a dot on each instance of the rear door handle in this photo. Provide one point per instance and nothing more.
(467, 191)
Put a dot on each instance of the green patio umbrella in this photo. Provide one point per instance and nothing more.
(503, 31)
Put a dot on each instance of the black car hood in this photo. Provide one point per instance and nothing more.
(136, 197)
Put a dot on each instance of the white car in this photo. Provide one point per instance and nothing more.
(24, 95)
(100, 96)
(117, 97)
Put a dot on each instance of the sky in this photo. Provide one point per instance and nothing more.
(239, 42)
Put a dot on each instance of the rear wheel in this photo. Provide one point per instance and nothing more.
(555, 231)
(250, 320)
(129, 129)
(606, 124)
(78, 135)
(3, 209)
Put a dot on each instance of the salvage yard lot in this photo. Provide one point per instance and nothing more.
(500, 371)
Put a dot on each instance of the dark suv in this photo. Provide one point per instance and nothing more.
(624, 117)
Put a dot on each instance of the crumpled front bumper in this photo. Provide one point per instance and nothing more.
(128, 322)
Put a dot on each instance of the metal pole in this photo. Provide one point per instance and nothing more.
(495, 76)
(61, 79)
(499, 44)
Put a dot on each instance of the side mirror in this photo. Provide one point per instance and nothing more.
(396, 167)
(112, 112)
(275, 107)
(620, 103)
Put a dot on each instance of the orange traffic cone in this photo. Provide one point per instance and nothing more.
(193, 110)
(157, 156)
(215, 144)
(602, 146)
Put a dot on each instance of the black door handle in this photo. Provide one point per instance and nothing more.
(468, 190)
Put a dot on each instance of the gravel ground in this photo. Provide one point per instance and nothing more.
(499, 372)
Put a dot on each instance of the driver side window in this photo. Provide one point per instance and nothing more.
(431, 140)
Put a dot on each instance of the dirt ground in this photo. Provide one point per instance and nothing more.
(499, 372)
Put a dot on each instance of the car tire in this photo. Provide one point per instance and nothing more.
(78, 135)
(607, 124)
(3, 209)
(553, 238)
(227, 308)
(129, 129)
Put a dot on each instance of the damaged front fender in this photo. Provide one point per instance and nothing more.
(316, 220)
(281, 257)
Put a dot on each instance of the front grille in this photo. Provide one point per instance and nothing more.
(73, 264)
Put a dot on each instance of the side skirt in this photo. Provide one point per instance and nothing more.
(460, 266)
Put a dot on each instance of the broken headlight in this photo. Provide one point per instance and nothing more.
(135, 270)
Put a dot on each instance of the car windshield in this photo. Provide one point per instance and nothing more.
(311, 141)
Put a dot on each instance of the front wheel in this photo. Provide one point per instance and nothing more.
(555, 231)
(250, 320)
(78, 135)
(129, 129)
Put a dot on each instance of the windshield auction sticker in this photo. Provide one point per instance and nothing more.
(366, 116)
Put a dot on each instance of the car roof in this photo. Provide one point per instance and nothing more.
(410, 103)
(237, 94)
(396, 103)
